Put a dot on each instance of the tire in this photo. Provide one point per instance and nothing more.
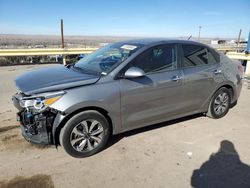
(220, 104)
(85, 134)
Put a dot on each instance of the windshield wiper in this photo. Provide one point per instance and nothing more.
(84, 70)
(69, 65)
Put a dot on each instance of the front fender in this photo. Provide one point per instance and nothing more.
(104, 96)
(57, 121)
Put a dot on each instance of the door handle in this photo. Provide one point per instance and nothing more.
(217, 71)
(176, 78)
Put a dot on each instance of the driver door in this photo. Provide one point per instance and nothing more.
(157, 96)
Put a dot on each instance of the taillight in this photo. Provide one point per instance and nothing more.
(240, 68)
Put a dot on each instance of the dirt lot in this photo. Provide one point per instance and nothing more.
(194, 151)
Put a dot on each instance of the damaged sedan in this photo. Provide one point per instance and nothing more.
(124, 86)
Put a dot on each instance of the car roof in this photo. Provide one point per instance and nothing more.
(152, 41)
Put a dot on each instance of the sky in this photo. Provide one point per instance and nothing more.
(148, 18)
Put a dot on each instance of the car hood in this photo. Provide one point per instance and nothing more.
(53, 78)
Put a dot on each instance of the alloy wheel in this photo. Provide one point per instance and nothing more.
(221, 103)
(87, 135)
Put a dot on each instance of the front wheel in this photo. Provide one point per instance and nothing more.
(85, 134)
(220, 104)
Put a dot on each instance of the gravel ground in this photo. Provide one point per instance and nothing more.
(194, 151)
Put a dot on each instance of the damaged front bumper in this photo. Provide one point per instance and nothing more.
(36, 126)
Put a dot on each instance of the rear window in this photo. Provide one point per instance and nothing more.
(194, 55)
(213, 56)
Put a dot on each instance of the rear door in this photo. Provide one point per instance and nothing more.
(201, 75)
(156, 96)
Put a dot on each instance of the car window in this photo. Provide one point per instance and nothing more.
(213, 57)
(162, 57)
(194, 55)
(108, 57)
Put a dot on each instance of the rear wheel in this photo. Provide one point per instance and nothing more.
(220, 104)
(85, 134)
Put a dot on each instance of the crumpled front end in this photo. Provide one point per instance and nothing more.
(36, 125)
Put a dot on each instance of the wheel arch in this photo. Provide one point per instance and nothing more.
(231, 88)
(210, 113)
(227, 85)
(61, 120)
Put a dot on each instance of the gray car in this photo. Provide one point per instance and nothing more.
(124, 86)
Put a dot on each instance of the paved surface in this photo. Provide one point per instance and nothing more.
(194, 151)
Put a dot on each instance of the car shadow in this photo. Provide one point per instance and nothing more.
(223, 169)
(116, 138)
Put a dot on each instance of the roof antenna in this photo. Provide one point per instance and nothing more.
(189, 37)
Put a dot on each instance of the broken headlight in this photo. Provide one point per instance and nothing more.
(41, 101)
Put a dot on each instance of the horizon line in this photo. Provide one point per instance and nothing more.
(124, 36)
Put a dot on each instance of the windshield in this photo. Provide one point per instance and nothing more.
(108, 57)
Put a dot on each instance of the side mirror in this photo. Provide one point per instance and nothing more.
(134, 72)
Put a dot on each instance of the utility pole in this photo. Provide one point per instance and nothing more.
(238, 41)
(247, 72)
(248, 44)
(62, 41)
(62, 37)
(199, 33)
